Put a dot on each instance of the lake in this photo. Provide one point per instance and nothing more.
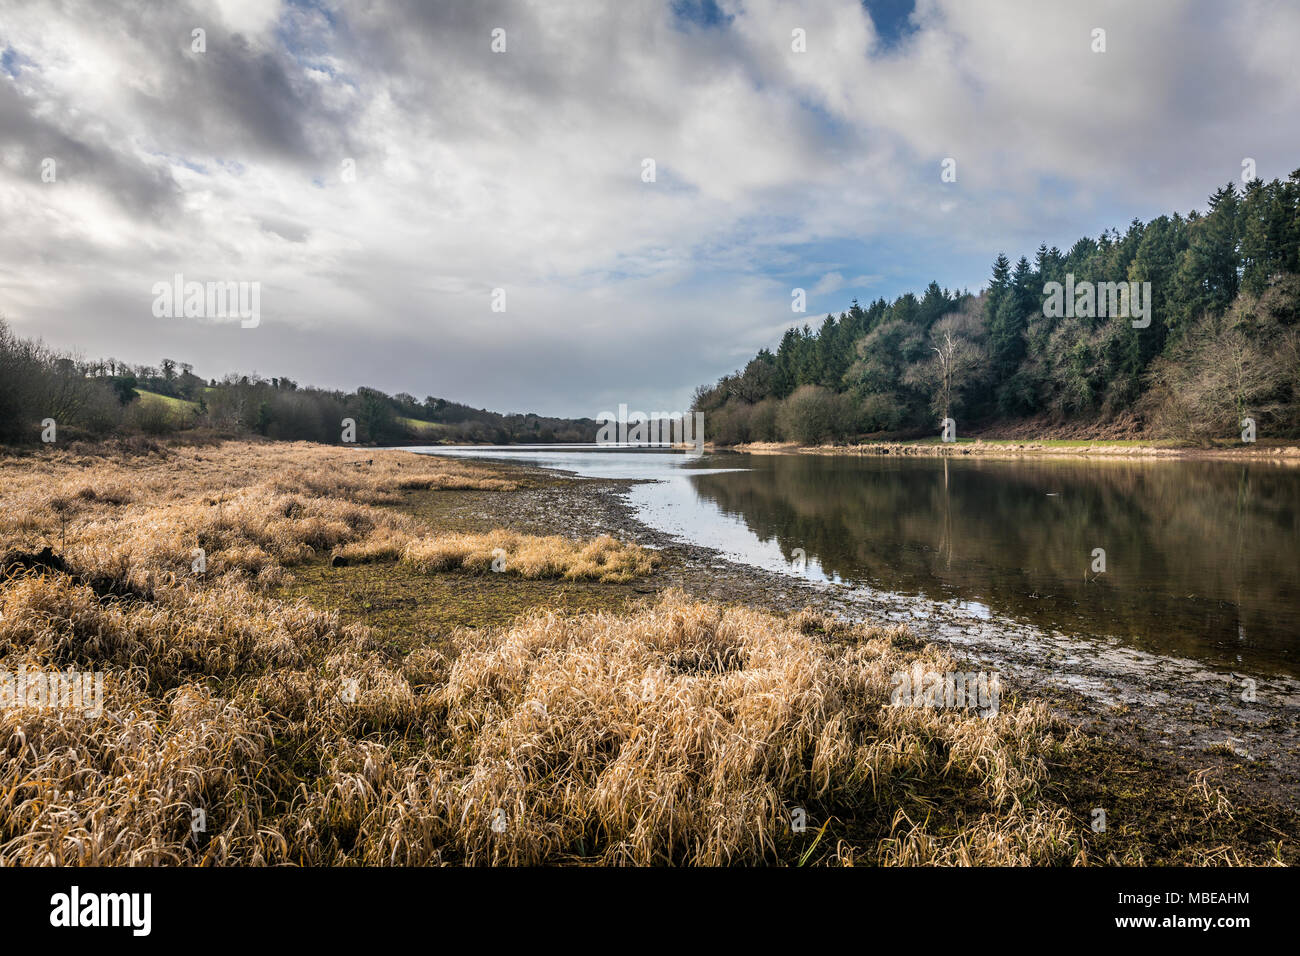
(1199, 556)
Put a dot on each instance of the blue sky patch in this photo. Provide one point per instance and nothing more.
(700, 13)
(891, 18)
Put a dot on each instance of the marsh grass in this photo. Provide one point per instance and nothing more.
(679, 733)
(674, 732)
(208, 677)
(601, 559)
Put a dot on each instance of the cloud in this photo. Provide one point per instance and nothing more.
(380, 170)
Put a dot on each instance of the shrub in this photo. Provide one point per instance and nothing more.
(809, 416)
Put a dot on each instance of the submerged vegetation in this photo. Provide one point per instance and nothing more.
(243, 724)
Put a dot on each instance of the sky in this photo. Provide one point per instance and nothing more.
(387, 176)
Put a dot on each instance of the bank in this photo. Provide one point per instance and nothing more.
(1280, 451)
(1165, 738)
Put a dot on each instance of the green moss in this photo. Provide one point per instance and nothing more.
(409, 608)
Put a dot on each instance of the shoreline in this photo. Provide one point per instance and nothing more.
(1280, 453)
(1174, 711)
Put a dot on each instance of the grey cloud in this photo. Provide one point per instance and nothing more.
(522, 170)
(285, 229)
(144, 190)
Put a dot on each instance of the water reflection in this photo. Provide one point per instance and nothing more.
(1199, 555)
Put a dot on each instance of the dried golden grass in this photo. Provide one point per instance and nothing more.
(530, 556)
(1037, 837)
(686, 733)
(680, 733)
(255, 509)
(35, 489)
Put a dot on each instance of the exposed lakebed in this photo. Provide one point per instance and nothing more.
(1199, 556)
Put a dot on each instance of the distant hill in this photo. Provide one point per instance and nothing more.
(107, 397)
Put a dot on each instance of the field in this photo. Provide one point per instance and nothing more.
(431, 430)
(244, 722)
(182, 412)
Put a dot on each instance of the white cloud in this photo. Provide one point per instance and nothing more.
(522, 170)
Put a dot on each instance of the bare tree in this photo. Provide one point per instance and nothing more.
(1226, 368)
(957, 343)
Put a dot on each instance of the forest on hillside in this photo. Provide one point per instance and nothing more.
(108, 398)
(1222, 343)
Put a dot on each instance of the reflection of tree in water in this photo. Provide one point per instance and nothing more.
(1198, 553)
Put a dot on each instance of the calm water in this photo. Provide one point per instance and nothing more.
(1200, 556)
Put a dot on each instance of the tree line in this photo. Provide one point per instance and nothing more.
(106, 398)
(1222, 344)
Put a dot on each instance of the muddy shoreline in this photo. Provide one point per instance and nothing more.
(1279, 453)
(1177, 713)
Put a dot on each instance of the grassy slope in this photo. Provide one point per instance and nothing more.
(179, 407)
(421, 427)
